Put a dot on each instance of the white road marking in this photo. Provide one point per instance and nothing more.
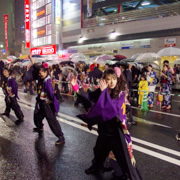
(135, 147)
(159, 112)
(161, 148)
(137, 119)
(176, 101)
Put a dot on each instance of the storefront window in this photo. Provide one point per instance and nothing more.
(48, 29)
(48, 39)
(48, 9)
(48, 19)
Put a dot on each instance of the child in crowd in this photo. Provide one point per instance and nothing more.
(143, 86)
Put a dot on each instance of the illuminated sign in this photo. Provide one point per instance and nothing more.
(41, 12)
(41, 31)
(46, 50)
(27, 24)
(170, 42)
(6, 30)
(58, 12)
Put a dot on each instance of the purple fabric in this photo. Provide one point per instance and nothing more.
(12, 83)
(49, 89)
(107, 108)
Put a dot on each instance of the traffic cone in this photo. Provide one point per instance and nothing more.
(144, 106)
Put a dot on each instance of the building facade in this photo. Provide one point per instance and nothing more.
(45, 26)
(125, 27)
(7, 8)
(20, 27)
(101, 26)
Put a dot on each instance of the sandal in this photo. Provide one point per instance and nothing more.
(168, 108)
(151, 106)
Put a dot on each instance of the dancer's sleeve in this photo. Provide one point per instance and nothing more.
(14, 87)
(50, 92)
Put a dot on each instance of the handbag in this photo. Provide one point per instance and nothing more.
(159, 97)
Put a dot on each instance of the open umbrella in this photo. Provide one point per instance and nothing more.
(154, 65)
(12, 58)
(128, 60)
(148, 57)
(26, 63)
(170, 51)
(176, 62)
(102, 58)
(36, 56)
(38, 60)
(119, 57)
(135, 56)
(77, 55)
(5, 61)
(123, 63)
(76, 59)
(23, 57)
(17, 60)
(18, 64)
(110, 62)
(96, 73)
(51, 62)
(65, 70)
(66, 62)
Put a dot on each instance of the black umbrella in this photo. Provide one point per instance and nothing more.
(32, 74)
(17, 60)
(122, 63)
(128, 60)
(67, 62)
(96, 73)
(36, 56)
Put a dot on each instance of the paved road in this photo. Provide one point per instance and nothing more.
(26, 156)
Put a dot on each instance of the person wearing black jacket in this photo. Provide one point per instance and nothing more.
(56, 73)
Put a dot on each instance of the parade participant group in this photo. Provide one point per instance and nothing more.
(108, 104)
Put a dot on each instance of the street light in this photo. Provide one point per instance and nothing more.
(82, 39)
(113, 35)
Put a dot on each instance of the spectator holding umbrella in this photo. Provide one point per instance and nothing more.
(152, 81)
(166, 87)
(143, 87)
(166, 62)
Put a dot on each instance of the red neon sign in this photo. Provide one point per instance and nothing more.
(27, 24)
(46, 50)
(6, 30)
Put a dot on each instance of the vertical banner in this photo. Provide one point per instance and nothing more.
(89, 8)
(6, 30)
(27, 24)
(58, 12)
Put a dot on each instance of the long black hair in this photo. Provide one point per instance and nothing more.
(6, 69)
(121, 82)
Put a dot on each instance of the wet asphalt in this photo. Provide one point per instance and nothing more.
(25, 155)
